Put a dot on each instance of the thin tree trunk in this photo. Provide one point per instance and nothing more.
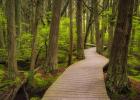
(35, 22)
(64, 10)
(92, 35)
(18, 15)
(71, 32)
(98, 34)
(89, 24)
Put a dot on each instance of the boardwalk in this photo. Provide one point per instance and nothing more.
(81, 81)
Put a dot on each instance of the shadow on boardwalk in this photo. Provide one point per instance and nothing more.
(83, 80)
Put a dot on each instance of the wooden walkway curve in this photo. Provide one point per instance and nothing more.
(83, 80)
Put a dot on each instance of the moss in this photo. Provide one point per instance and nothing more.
(42, 82)
(129, 96)
(38, 81)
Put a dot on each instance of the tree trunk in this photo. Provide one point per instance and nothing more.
(64, 10)
(11, 30)
(112, 23)
(53, 36)
(104, 18)
(92, 35)
(71, 32)
(98, 34)
(89, 24)
(117, 81)
(17, 15)
(35, 22)
(80, 45)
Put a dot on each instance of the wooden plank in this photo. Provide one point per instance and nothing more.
(83, 80)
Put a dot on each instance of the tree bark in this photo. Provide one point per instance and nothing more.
(80, 44)
(65, 7)
(117, 81)
(53, 36)
(71, 32)
(11, 30)
(112, 23)
(89, 24)
(92, 35)
(18, 16)
(35, 22)
(98, 34)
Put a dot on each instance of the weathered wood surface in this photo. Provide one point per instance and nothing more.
(83, 80)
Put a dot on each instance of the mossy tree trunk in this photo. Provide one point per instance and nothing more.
(80, 43)
(117, 79)
(11, 30)
(51, 63)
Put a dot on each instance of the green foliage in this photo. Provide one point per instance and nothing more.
(3, 54)
(38, 81)
(35, 98)
(2, 73)
(133, 72)
(136, 78)
(2, 17)
(64, 39)
(42, 82)
(24, 48)
(6, 83)
(25, 40)
(133, 61)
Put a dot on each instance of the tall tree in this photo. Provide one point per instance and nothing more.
(11, 30)
(80, 44)
(89, 24)
(18, 15)
(112, 23)
(117, 71)
(71, 31)
(53, 36)
(64, 10)
(36, 19)
(98, 34)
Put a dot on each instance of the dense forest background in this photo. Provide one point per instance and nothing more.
(39, 39)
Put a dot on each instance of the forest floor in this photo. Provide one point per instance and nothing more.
(23, 87)
(42, 81)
